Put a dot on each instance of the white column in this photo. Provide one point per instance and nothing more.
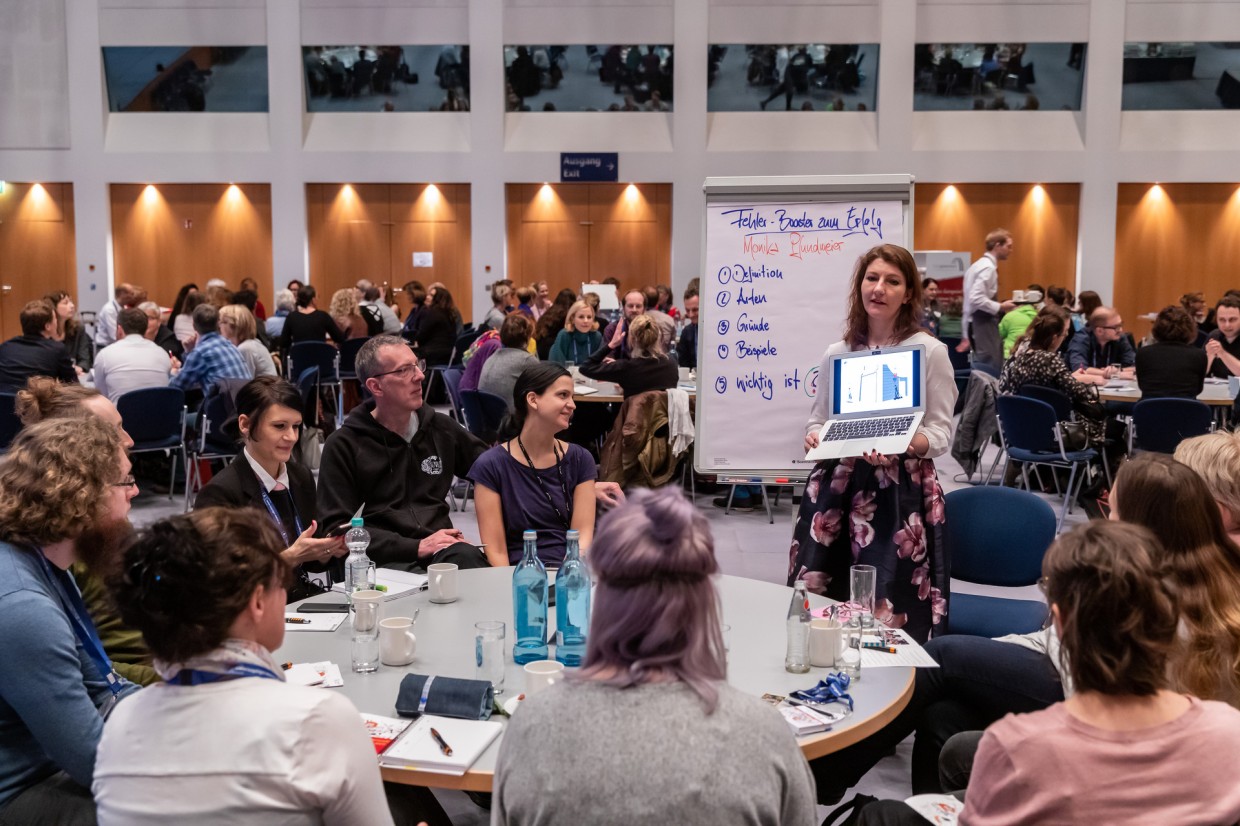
(691, 27)
(289, 241)
(898, 26)
(488, 258)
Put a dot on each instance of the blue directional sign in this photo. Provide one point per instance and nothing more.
(589, 166)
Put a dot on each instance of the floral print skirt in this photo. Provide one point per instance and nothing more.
(889, 516)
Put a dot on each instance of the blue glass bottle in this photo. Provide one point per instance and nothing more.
(572, 610)
(529, 604)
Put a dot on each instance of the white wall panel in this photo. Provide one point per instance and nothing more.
(34, 75)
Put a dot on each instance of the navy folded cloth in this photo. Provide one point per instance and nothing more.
(445, 696)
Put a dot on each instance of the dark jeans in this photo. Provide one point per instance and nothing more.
(461, 554)
(56, 801)
(978, 681)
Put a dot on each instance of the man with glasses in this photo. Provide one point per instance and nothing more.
(1100, 346)
(395, 458)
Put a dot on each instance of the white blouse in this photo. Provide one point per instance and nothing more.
(941, 392)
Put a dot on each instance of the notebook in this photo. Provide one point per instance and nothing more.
(396, 583)
(876, 400)
(417, 749)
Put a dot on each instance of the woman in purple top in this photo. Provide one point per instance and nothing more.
(531, 480)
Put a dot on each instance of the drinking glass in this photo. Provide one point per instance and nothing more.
(862, 593)
(365, 644)
(849, 660)
(489, 653)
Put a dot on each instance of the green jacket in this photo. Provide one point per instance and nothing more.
(1013, 325)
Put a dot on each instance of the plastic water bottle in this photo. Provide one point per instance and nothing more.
(529, 604)
(796, 659)
(572, 611)
(359, 571)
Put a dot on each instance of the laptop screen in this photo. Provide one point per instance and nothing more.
(874, 383)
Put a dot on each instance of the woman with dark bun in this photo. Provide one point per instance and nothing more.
(222, 739)
(650, 731)
(268, 424)
(531, 480)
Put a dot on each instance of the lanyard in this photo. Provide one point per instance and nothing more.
(83, 628)
(192, 676)
(559, 469)
(271, 509)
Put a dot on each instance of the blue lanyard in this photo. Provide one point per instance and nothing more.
(271, 509)
(192, 676)
(83, 628)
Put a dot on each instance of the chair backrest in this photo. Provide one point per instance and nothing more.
(1053, 397)
(213, 438)
(152, 414)
(1027, 424)
(452, 379)
(471, 406)
(462, 344)
(1161, 424)
(10, 425)
(494, 408)
(318, 354)
(985, 367)
(348, 354)
(308, 387)
(997, 536)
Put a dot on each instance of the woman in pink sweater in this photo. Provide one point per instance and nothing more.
(1121, 748)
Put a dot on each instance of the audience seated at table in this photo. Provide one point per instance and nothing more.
(579, 339)
(132, 362)
(499, 306)
(43, 399)
(980, 680)
(182, 318)
(475, 357)
(213, 357)
(160, 333)
(416, 293)
(71, 331)
(437, 329)
(646, 367)
(447, 303)
(65, 490)
(1117, 749)
(500, 371)
(548, 328)
(238, 325)
(1013, 324)
(398, 457)
(285, 304)
(1036, 361)
(123, 295)
(35, 352)
(650, 731)
(1215, 457)
(223, 739)
(308, 323)
(1095, 350)
(268, 424)
(371, 300)
(1172, 367)
(531, 480)
(347, 314)
(686, 348)
(616, 334)
(1223, 344)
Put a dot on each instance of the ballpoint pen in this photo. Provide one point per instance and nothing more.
(443, 744)
(297, 620)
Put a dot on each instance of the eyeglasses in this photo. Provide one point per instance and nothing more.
(127, 482)
(1115, 327)
(406, 371)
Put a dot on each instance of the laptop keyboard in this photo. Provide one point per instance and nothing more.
(868, 428)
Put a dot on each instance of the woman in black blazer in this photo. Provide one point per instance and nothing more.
(269, 422)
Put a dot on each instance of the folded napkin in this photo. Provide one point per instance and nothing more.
(445, 696)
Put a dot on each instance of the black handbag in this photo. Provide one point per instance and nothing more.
(1074, 435)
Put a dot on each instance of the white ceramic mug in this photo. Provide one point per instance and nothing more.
(442, 581)
(1233, 386)
(366, 609)
(396, 641)
(542, 673)
(824, 642)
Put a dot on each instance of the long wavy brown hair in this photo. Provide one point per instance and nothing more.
(68, 328)
(1201, 563)
(908, 321)
(55, 480)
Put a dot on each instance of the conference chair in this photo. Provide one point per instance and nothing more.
(483, 413)
(211, 443)
(305, 354)
(1159, 425)
(452, 380)
(154, 417)
(10, 425)
(348, 357)
(463, 341)
(1030, 433)
(997, 537)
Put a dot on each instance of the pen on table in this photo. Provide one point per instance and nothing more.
(297, 620)
(873, 646)
(443, 744)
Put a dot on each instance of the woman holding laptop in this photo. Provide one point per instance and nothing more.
(874, 509)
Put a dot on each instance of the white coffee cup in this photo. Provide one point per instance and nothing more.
(366, 609)
(442, 581)
(1018, 296)
(541, 674)
(1233, 386)
(396, 641)
(824, 642)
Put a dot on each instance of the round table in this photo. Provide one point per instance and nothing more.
(1212, 393)
(755, 610)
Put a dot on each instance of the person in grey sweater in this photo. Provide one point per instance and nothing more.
(665, 743)
(499, 374)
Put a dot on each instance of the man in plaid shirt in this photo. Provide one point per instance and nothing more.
(213, 357)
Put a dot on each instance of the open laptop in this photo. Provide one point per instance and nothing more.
(875, 401)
